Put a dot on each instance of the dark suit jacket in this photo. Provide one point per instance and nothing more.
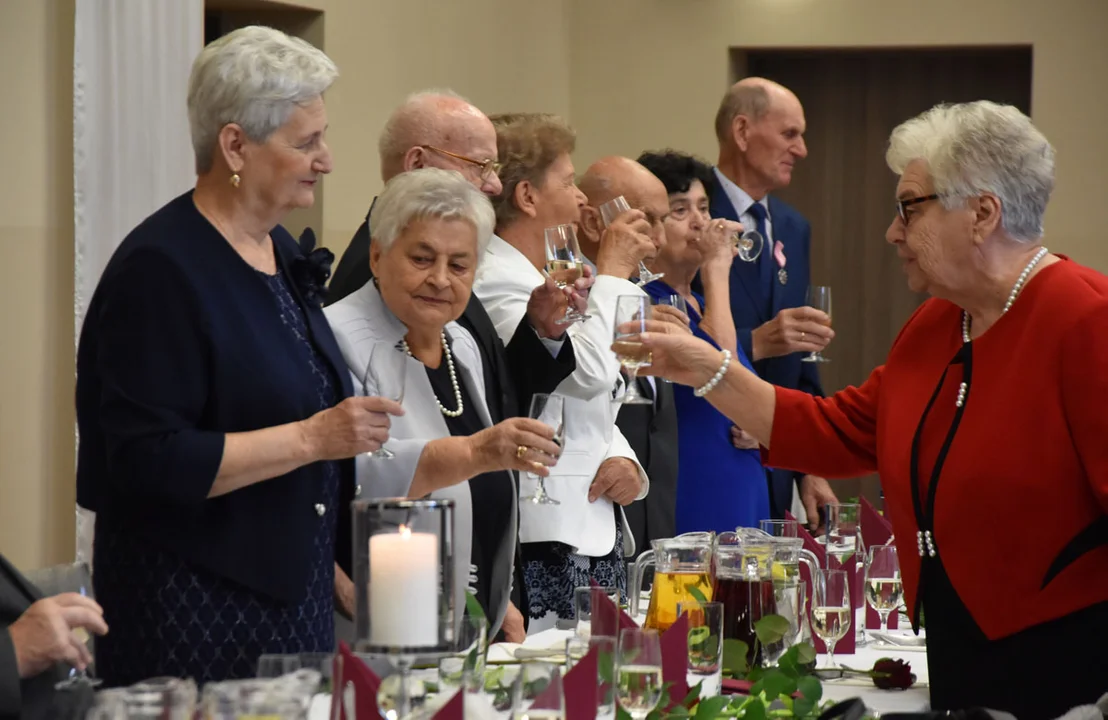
(651, 430)
(748, 308)
(182, 344)
(33, 697)
(512, 374)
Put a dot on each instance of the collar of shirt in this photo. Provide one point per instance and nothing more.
(739, 197)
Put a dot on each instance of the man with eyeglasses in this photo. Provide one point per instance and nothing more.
(441, 129)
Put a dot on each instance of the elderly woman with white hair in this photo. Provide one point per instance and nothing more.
(430, 230)
(987, 421)
(216, 417)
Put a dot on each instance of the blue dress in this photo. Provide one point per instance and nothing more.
(719, 487)
(185, 621)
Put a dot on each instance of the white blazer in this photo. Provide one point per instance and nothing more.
(362, 322)
(504, 283)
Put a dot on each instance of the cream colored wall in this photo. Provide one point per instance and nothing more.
(671, 62)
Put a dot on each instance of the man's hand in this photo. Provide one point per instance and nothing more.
(512, 627)
(801, 329)
(623, 244)
(55, 629)
(814, 494)
(618, 480)
(742, 439)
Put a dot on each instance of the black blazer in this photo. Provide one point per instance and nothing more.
(183, 343)
(748, 308)
(651, 430)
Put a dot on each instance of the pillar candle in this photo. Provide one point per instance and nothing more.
(404, 589)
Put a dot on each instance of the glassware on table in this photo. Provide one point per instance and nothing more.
(549, 410)
(819, 297)
(639, 685)
(789, 599)
(537, 692)
(884, 591)
(611, 210)
(275, 666)
(679, 564)
(780, 528)
(744, 573)
(749, 243)
(632, 312)
(832, 613)
(386, 372)
(160, 697)
(586, 606)
(705, 645)
(565, 263)
(676, 301)
(258, 697)
(844, 532)
(466, 666)
(577, 648)
(605, 647)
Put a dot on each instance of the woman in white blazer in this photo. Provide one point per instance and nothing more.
(430, 229)
(584, 538)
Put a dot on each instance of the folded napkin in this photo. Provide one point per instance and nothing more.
(352, 676)
(876, 531)
(582, 685)
(675, 659)
(607, 618)
(845, 645)
(454, 709)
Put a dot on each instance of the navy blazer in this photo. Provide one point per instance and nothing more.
(182, 344)
(748, 308)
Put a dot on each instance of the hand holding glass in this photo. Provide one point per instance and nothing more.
(609, 211)
(819, 297)
(550, 410)
(632, 312)
(384, 376)
(564, 262)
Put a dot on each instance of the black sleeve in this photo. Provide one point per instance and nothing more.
(353, 269)
(533, 368)
(10, 694)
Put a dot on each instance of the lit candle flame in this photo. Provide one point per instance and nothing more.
(405, 532)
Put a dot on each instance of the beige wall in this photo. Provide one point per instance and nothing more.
(630, 74)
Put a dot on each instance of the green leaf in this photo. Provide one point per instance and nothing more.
(803, 707)
(605, 667)
(473, 608)
(805, 654)
(810, 687)
(709, 708)
(776, 683)
(622, 714)
(755, 711)
(696, 593)
(692, 696)
(734, 658)
(771, 629)
(678, 711)
(697, 636)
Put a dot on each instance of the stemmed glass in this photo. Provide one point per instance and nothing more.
(675, 301)
(819, 297)
(537, 692)
(632, 312)
(385, 374)
(609, 211)
(749, 244)
(564, 262)
(550, 410)
(884, 591)
(831, 609)
(639, 671)
(61, 579)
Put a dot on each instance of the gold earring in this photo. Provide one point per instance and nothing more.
(235, 180)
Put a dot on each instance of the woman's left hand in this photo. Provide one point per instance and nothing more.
(516, 444)
(717, 247)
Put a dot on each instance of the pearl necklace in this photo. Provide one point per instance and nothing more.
(1020, 282)
(453, 377)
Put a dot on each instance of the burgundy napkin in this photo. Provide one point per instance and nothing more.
(845, 646)
(607, 618)
(876, 531)
(454, 709)
(349, 668)
(582, 688)
(675, 659)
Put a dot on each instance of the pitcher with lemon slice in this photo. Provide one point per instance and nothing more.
(682, 571)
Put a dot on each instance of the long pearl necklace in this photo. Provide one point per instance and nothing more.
(453, 377)
(1020, 282)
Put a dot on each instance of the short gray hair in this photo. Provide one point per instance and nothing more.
(978, 147)
(254, 77)
(750, 99)
(411, 123)
(430, 193)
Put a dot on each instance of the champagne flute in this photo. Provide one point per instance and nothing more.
(384, 376)
(819, 297)
(831, 609)
(550, 410)
(632, 312)
(564, 262)
(79, 678)
(639, 671)
(884, 591)
(749, 244)
(609, 211)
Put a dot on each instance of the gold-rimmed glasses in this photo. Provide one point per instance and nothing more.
(488, 167)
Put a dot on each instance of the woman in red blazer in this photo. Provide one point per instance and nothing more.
(988, 423)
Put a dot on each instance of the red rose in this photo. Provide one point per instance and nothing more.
(889, 674)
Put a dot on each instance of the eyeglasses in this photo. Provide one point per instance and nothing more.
(903, 205)
(488, 167)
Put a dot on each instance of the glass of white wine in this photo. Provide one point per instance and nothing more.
(537, 692)
(384, 376)
(639, 671)
(831, 609)
(884, 591)
(564, 262)
(819, 297)
(632, 312)
(609, 211)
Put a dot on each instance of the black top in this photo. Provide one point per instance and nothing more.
(492, 493)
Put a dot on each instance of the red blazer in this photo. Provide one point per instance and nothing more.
(1028, 468)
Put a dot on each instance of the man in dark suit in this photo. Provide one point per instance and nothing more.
(38, 645)
(440, 129)
(760, 128)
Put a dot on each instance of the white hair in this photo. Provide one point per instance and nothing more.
(413, 122)
(254, 77)
(430, 193)
(978, 147)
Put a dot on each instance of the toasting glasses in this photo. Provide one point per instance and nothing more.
(564, 262)
(831, 609)
(632, 312)
(819, 297)
(549, 410)
(384, 376)
(609, 211)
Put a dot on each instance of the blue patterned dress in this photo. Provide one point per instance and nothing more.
(184, 621)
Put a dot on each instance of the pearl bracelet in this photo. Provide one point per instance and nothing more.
(711, 384)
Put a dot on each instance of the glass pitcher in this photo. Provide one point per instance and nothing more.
(744, 572)
(679, 564)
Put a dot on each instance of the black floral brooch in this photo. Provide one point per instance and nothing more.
(312, 269)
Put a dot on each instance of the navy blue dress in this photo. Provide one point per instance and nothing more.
(719, 487)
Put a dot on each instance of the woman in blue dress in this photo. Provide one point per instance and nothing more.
(720, 485)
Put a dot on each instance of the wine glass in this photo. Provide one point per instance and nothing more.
(819, 297)
(831, 609)
(564, 262)
(749, 244)
(844, 537)
(64, 577)
(675, 301)
(779, 528)
(609, 211)
(537, 692)
(385, 374)
(632, 312)
(639, 671)
(550, 410)
(884, 591)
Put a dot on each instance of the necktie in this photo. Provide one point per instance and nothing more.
(765, 260)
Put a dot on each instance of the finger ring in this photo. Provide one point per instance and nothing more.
(801, 334)
(521, 451)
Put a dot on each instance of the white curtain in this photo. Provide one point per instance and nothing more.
(131, 148)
